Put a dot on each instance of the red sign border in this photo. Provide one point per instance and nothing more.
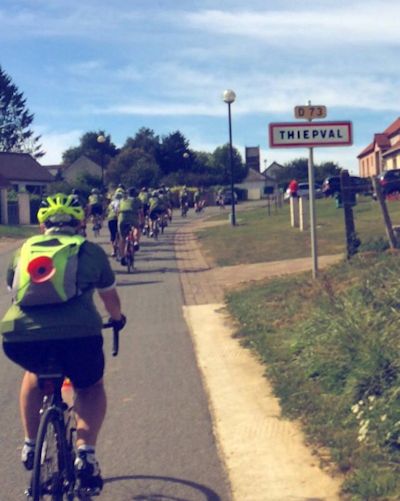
(273, 125)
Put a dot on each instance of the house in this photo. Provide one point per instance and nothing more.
(272, 170)
(55, 170)
(83, 165)
(383, 153)
(256, 184)
(21, 173)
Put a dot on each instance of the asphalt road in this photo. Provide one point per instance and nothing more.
(157, 442)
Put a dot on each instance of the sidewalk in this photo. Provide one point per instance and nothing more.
(265, 456)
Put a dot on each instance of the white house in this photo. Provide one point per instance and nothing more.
(256, 183)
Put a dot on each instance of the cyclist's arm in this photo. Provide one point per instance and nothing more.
(112, 303)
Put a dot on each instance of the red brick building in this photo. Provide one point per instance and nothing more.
(383, 153)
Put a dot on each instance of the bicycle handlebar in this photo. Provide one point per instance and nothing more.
(115, 347)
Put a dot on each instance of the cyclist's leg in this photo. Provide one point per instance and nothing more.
(123, 229)
(30, 400)
(29, 356)
(113, 228)
(90, 409)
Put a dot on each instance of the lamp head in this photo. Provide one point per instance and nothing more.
(229, 96)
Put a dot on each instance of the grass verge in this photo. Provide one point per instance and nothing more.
(260, 237)
(331, 349)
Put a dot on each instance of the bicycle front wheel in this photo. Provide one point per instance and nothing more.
(50, 477)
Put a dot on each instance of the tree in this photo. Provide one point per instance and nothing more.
(133, 167)
(222, 163)
(15, 120)
(171, 153)
(298, 169)
(101, 153)
(146, 140)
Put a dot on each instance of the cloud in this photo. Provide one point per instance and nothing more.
(55, 143)
(357, 22)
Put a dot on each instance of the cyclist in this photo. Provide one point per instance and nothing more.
(184, 200)
(112, 220)
(170, 202)
(95, 206)
(198, 200)
(130, 214)
(70, 331)
(157, 209)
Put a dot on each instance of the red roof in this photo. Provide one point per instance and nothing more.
(393, 128)
(367, 150)
(382, 139)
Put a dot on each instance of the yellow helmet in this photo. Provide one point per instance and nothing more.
(60, 209)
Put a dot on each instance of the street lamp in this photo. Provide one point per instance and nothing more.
(229, 97)
(101, 140)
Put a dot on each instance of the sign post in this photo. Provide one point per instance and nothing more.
(310, 134)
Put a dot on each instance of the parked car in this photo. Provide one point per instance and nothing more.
(303, 190)
(361, 185)
(389, 182)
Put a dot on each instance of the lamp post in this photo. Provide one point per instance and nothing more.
(101, 140)
(229, 97)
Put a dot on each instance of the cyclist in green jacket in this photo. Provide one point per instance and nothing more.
(71, 331)
(130, 215)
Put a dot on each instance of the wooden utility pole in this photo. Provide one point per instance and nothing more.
(348, 200)
(385, 213)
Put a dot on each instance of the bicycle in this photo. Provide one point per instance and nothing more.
(156, 228)
(130, 250)
(53, 474)
(96, 220)
(116, 251)
(184, 209)
(163, 222)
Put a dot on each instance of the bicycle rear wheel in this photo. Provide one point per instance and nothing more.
(50, 477)
(130, 259)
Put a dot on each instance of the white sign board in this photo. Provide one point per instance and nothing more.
(310, 134)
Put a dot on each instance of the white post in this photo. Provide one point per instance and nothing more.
(294, 212)
(24, 208)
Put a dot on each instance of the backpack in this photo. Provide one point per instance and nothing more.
(46, 272)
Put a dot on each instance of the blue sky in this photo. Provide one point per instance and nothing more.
(87, 65)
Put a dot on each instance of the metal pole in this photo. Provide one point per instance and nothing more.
(233, 220)
(313, 225)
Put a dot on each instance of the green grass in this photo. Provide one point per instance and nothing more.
(331, 348)
(18, 231)
(260, 237)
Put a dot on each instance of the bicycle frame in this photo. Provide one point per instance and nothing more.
(55, 412)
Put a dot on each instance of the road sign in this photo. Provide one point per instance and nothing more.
(310, 112)
(310, 134)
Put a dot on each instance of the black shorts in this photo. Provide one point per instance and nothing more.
(96, 210)
(156, 213)
(81, 359)
(113, 227)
